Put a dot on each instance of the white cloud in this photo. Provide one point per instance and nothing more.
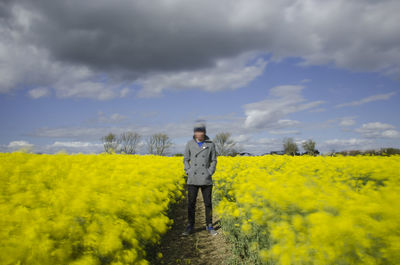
(270, 112)
(75, 144)
(287, 123)
(86, 89)
(71, 147)
(258, 146)
(378, 130)
(241, 138)
(112, 118)
(367, 99)
(391, 134)
(305, 80)
(346, 144)
(347, 121)
(39, 92)
(280, 132)
(343, 122)
(19, 144)
(181, 129)
(70, 132)
(226, 74)
(376, 126)
(317, 110)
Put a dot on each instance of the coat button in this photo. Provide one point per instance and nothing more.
(195, 164)
(203, 155)
(202, 173)
(202, 164)
(195, 173)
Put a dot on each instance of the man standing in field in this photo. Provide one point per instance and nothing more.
(200, 160)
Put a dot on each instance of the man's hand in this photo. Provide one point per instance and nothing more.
(187, 171)
(186, 159)
(213, 160)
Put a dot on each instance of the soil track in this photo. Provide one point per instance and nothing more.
(197, 248)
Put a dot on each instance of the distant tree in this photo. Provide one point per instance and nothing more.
(376, 152)
(355, 152)
(332, 152)
(390, 151)
(372, 152)
(111, 143)
(309, 147)
(129, 142)
(289, 146)
(158, 144)
(225, 145)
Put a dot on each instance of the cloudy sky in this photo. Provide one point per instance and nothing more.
(73, 71)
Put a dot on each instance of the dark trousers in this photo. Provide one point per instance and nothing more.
(206, 191)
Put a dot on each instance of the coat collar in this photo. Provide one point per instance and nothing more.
(204, 146)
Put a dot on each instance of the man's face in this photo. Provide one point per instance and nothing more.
(199, 135)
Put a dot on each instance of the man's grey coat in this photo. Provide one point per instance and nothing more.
(200, 162)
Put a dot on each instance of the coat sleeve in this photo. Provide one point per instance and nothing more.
(213, 159)
(186, 158)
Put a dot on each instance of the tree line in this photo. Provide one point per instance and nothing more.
(160, 144)
(128, 143)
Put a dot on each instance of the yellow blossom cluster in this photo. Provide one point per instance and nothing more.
(85, 209)
(311, 210)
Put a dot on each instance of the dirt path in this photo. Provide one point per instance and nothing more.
(197, 248)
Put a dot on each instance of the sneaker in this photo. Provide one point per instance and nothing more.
(188, 230)
(210, 229)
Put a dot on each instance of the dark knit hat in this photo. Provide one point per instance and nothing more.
(199, 127)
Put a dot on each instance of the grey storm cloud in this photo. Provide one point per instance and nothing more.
(70, 45)
(139, 36)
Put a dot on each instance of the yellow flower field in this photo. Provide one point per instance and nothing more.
(105, 209)
(84, 209)
(311, 210)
